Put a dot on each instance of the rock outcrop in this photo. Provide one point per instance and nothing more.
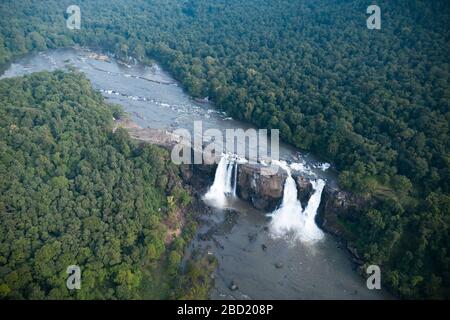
(265, 192)
(337, 204)
(199, 176)
(304, 189)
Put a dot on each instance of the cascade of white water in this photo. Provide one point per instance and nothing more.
(217, 191)
(228, 184)
(223, 185)
(235, 178)
(287, 217)
(291, 218)
(311, 231)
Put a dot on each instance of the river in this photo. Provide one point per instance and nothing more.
(262, 266)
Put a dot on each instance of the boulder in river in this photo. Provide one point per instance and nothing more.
(265, 192)
(233, 286)
(252, 237)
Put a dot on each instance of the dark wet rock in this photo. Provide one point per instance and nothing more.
(359, 262)
(353, 251)
(205, 170)
(205, 236)
(304, 189)
(256, 184)
(265, 192)
(218, 244)
(231, 216)
(230, 219)
(252, 237)
(355, 255)
(233, 286)
(337, 205)
(199, 176)
(208, 235)
(186, 172)
(260, 202)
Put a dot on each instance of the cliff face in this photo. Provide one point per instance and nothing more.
(335, 206)
(200, 176)
(304, 189)
(263, 191)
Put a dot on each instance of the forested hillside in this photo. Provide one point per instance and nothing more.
(373, 102)
(74, 193)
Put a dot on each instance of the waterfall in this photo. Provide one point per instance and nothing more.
(228, 183)
(217, 191)
(311, 231)
(235, 178)
(290, 218)
(223, 185)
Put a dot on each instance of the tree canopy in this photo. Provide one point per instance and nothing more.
(75, 193)
(375, 103)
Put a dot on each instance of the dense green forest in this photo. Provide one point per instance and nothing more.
(373, 102)
(74, 193)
